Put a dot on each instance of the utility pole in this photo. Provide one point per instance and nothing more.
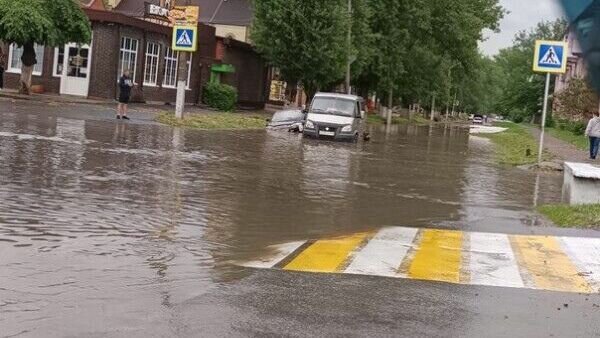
(544, 113)
(182, 72)
(350, 57)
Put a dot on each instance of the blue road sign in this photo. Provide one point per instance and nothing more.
(550, 56)
(184, 38)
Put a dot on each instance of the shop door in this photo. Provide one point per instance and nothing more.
(75, 79)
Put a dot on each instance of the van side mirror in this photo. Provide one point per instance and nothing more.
(362, 114)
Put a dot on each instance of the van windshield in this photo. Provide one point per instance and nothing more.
(333, 106)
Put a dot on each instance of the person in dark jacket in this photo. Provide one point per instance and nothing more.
(2, 68)
(125, 85)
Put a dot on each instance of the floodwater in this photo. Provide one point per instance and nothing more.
(105, 227)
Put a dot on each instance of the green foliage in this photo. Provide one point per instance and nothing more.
(575, 127)
(305, 39)
(521, 89)
(216, 121)
(46, 22)
(414, 48)
(578, 216)
(220, 96)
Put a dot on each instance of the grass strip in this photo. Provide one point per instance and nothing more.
(515, 146)
(572, 216)
(214, 121)
(579, 141)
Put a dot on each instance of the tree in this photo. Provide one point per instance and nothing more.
(305, 39)
(45, 22)
(522, 89)
(577, 101)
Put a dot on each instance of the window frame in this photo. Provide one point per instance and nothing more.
(173, 58)
(122, 51)
(156, 58)
(38, 56)
(55, 63)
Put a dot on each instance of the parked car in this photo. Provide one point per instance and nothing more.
(335, 116)
(478, 119)
(290, 120)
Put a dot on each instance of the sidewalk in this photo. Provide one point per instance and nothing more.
(48, 98)
(561, 150)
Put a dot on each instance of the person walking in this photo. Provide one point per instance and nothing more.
(125, 85)
(593, 132)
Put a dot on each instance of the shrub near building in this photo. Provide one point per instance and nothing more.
(220, 96)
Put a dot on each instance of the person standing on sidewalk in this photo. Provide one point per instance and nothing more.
(2, 68)
(125, 85)
(593, 132)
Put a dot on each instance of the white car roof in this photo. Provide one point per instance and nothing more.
(340, 96)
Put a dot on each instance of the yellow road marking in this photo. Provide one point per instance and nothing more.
(326, 255)
(547, 264)
(438, 257)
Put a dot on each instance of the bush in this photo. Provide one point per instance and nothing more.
(575, 127)
(562, 124)
(550, 122)
(517, 115)
(220, 96)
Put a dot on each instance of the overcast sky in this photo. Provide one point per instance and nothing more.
(524, 14)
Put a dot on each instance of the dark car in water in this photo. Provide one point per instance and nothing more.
(290, 120)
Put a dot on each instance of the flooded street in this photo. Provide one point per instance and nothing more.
(132, 229)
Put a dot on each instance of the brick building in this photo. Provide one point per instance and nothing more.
(121, 42)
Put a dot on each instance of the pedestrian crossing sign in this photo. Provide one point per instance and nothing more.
(550, 57)
(185, 38)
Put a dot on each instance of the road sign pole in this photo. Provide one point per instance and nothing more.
(544, 114)
(182, 71)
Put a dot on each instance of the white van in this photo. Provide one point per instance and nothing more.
(334, 116)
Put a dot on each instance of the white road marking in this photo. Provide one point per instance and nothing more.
(493, 262)
(384, 252)
(279, 252)
(585, 253)
(489, 259)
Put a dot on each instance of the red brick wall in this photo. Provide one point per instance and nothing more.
(105, 58)
(105, 61)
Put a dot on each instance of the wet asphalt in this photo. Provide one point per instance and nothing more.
(129, 229)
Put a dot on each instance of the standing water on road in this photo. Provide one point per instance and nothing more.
(114, 224)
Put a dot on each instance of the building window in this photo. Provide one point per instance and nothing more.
(59, 61)
(14, 56)
(128, 57)
(151, 65)
(170, 79)
(171, 62)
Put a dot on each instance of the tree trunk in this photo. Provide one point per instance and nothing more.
(28, 60)
(310, 93)
(390, 107)
(26, 72)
